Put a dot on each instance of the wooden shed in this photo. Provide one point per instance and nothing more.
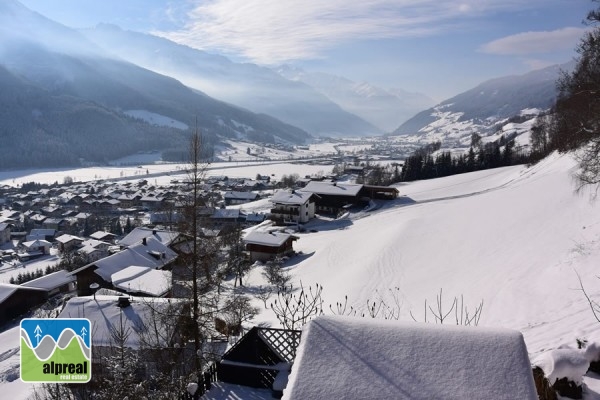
(259, 356)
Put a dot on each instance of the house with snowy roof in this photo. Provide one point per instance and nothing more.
(53, 283)
(34, 248)
(103, 236)
(140, 233)
(5, 231)
(67, 242)
(225, 216)
(143, 281)
(292, 206)
(232, 197)
(333, 197)
(345, 357)
(151, 327)
(150, 253)
(265, 246)
(94, 249)
(16, 300)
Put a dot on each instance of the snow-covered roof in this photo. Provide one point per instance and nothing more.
(292, 198)
(51, 281)
(240, 195)
(230, 213)
(333, 188)
(140, 233)
(7, 289)
(153, 254)
(42, 232)
(66, 238)
(101, 235)
(137, 279)
(105, 316)
(37, 243)
(340, 357)
(274, 239)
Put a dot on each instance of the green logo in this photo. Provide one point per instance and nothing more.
(56, 350)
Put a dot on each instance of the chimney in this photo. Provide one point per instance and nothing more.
(144, 242)
(154, 231)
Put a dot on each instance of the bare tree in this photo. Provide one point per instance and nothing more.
(295, 308)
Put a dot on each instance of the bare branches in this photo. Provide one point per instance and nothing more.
(594, 306)
(295, 310)
(462, 314)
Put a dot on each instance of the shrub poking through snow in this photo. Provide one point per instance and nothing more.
(542, 386)
(564, 369)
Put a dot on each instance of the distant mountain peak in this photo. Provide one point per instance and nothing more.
(479, 109)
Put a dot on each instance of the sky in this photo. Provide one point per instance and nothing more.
(439, 48)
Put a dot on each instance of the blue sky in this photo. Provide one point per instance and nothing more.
(439, 48)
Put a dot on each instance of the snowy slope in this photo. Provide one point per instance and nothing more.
(513, 237)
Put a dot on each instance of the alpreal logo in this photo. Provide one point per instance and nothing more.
(56, 350)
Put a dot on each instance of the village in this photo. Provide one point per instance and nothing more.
(123, 244)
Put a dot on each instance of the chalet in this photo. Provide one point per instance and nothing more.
(234, 197)
(149, 252)
(53, 283)
(16, 300)
(398, 360)
(94, 250)
(37, 219)
(255, 218)
(140, 233)
(228, 216)
(264, 246)
(44, 234)
(103, 236)
(52, 211)
(82, 217)
(58, 224)
(379, 192)
(293, 206)
(333, 197)
(151, 202)
(108, 205)
(5, 231)
(67, 243)
(37, 247)
(130, 200)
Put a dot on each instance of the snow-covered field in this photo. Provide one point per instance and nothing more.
(272, 162)
(514, 238)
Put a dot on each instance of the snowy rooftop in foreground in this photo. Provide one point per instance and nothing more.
(136, 318)
(346, 357)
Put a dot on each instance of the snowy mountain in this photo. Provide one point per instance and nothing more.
(484, 108)
(256, 88)
(65, 99)
(383, 108)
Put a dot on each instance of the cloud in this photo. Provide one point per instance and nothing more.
(535, 42)
(274, 31)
